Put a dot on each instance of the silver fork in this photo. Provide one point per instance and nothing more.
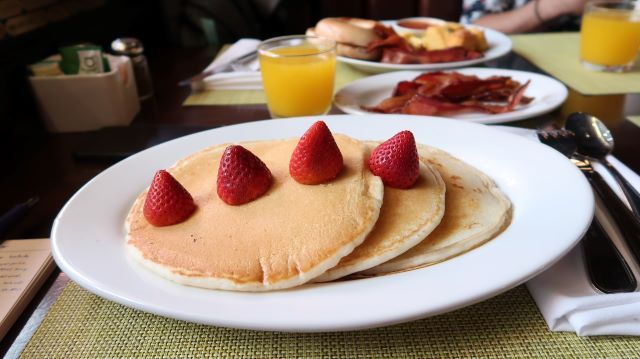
(607, 269)
(239, 64)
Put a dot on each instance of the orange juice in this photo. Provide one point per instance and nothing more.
(298, 80)
(610, 37)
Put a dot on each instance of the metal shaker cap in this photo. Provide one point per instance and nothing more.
(127, 46)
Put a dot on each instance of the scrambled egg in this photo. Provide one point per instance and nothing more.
(450, 34)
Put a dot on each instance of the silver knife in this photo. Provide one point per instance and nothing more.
(606, 267)
(196, 82)
(627, 223)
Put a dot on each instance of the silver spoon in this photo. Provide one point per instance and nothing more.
(595, 140)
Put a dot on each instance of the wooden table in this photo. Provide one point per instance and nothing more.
(52, 173)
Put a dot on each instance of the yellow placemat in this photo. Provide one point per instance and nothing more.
(344, 75)
(634, 119)
(81, 325)
(558, 54)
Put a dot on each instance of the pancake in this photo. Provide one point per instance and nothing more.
(476, 211)
(285, 238)
(407, 216)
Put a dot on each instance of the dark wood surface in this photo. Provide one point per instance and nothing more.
(53, 172)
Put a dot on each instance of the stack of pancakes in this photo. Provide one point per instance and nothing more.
(298, 233)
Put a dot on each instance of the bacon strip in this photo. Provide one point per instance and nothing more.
(397, 55)
(464, 90)
(423, 105)
(390, 42)
(405, 87)
(391, 105)
(397, 50)
(446, 93)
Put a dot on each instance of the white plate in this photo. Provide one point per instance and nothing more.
(499, 45)
(548, 93)
(553, 206)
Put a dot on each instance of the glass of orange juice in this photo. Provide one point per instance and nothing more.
(298, 73)
(610, 35)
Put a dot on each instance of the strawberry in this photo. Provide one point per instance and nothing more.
(396, 161)
(167, 201)
(316, 158)
(242, 177)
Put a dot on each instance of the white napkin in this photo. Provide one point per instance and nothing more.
(236, 80)
(564, 293)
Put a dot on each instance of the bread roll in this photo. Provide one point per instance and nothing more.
(352, 35)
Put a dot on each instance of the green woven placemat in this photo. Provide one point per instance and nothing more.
(81, 324)
(344, 75)
(558, 54)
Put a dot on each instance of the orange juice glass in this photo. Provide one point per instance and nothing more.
(298, 74)
(610, 35)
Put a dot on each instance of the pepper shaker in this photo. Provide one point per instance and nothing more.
(133, 48)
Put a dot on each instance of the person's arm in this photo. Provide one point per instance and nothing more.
(522, 19)
(531, 16)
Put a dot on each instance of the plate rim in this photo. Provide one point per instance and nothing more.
(488, 119)
(379, 320)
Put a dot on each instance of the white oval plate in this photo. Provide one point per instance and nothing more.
(548, 93)
(553, 206)
(499, 45)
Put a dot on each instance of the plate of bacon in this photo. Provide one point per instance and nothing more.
(483, 95)
(376, 47)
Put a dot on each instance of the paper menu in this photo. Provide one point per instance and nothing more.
(24, 265)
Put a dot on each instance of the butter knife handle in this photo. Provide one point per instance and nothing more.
(607, 269)
(628, 224)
